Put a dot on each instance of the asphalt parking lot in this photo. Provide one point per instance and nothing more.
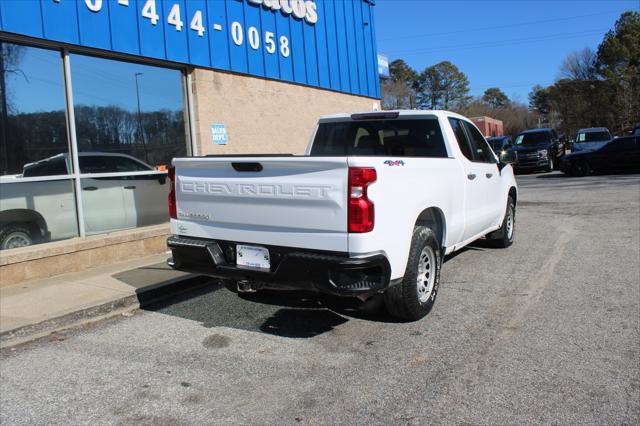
(547, 331)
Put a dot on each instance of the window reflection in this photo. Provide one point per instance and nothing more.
(130, 123)
(33, 147)
(128, 108)
(33, 107)
(129, 119)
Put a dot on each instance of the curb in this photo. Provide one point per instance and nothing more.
(144, 297)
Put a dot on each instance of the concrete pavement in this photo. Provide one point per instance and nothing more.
(544, 332)
(32, 309)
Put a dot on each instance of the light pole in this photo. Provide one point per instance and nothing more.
(140, 128)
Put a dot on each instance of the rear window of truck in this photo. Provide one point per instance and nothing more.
(397, 138)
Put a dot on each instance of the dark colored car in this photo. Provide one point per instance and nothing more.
(636, 130)
(499, 143)
(537, 149)
(591, 139)
(619, 155)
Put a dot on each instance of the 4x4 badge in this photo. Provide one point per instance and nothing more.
(392, 163)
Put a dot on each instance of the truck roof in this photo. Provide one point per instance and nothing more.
(543, 129)
(400, 113)
(593, 130)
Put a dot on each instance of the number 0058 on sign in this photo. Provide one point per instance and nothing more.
(255, 257)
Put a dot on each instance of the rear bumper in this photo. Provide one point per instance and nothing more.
(291, 268)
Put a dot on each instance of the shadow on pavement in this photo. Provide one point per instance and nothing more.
(285, 314)
(552, 176)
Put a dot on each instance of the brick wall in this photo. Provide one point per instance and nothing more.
(489, 126)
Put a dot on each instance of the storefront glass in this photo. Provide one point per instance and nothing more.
(37, 200)
(129, 124)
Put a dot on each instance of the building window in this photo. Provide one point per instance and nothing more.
(37, 198)
(129, 124)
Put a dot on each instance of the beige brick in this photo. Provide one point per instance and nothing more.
(263, 116)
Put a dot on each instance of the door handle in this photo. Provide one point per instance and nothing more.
(471, 176)
(130, 187)
(90, 188)
(489, 175)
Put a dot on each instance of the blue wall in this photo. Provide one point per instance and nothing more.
(337, 52)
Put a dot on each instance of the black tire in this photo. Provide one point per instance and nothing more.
(580, 168)
(504, 236)
(15, 235)
(403, 300)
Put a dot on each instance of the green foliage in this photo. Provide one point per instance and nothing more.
(495, 97)
(443, 86)
(601, 89)
(539, 99)
(400, 71)
(619, 53)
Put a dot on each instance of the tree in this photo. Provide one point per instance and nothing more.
(539, 100)
(515, 116)
(397, 95)
(399, 91)
(618, 60)
(400, 71)
(443, 86)
(579, 65)
(495, 97)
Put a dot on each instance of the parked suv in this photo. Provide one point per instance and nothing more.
(591, 139)
(537, 149)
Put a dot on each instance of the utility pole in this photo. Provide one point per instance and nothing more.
(140, 129)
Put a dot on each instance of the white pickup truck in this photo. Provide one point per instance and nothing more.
(373, 206)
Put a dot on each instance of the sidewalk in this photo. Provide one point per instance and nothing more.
(32, 309)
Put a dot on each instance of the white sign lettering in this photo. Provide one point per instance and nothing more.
(300, 9)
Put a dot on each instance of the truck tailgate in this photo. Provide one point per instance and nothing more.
(281, 201)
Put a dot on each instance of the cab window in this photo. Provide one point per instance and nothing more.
(461, 137)
(481, 151)
(388, 137)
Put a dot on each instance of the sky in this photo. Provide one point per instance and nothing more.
(512, 45)
(95, 81)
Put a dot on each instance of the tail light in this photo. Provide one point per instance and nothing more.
(172, 193)
(360, 210)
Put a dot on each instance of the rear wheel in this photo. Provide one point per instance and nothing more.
(580, 168)
(15, 235)
(415, 295)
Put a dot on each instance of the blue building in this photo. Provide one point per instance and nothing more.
(99, 95)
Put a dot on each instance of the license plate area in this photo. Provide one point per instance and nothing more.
(253, 257)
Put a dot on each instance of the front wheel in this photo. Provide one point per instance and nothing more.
(503, 237)
(15, 235)
(414, 297)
